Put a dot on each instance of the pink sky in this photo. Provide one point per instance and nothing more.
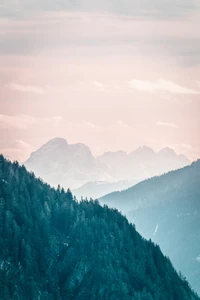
(110, 81)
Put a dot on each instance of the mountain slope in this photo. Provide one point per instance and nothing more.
(55, 248)
(167, 210)
(96, 189)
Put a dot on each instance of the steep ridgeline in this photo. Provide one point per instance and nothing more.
(96, 189)
(54, 248)
(166, 209)
(142, 163)
(58, 162)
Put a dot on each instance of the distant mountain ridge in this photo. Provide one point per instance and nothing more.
(142, 163)
(96, 189)
(166, 209)
(74, 166)
(58, 162)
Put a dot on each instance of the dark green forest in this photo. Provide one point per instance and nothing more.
(52, 247)
(166, 209)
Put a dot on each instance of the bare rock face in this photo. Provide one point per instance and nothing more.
(74, 166)
(142, 163)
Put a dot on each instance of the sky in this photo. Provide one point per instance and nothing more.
(114, 75)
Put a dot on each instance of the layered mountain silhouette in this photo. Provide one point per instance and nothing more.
(142, 163)
(96, 189)
(54, 248)
(74, 166)
(58, 162)
(166, 209)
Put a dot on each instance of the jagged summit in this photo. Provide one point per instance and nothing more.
(82, 148)
(120, 152)
(167, 151)
(69, 165)
(59, 162)
(116, 154)
(58, 145)
(51, 145)
(57, 141)
(143, 150)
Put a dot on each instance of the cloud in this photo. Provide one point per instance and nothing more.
(160, 86)
(19, 150)
(22, 122)
(156, 8)
(18, 122)
(26, 88)
(93, 33)
(190, 151)
(56, 120)
(92, 125)
(166, 124)
(22, 144)
(122, 124)
(98, 84)
(85, 124)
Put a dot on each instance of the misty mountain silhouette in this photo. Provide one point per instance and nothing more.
(73, 165)
(166, 209)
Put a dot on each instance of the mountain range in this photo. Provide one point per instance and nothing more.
(74, 166)
(58, 162)
(55, 248)
(142, 163)
(166, 209)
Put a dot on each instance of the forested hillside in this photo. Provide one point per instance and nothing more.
(166, 209)
(52, 247)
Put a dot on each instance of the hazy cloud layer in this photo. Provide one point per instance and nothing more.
(26, 88)
(160, 86)
(177, 41)
(114, 75)
(165, 8)
(166, 124)
(21, 122)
